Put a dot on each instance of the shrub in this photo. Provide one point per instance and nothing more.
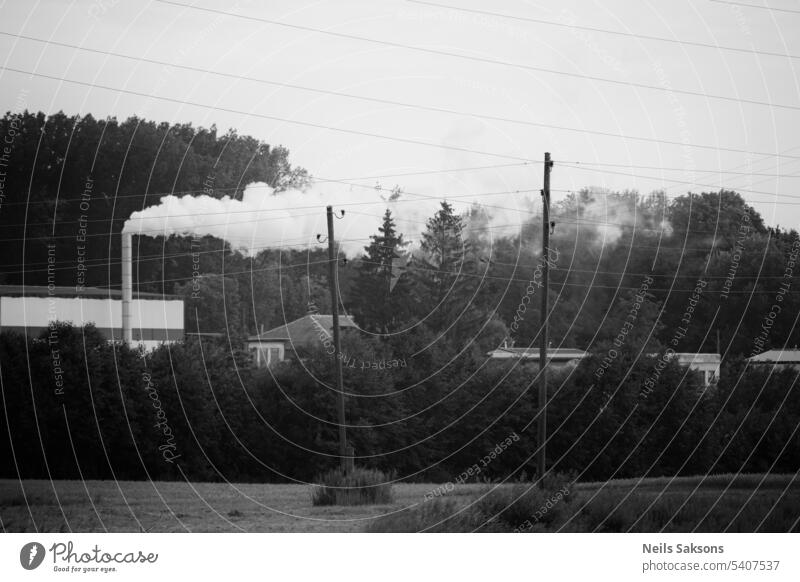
(681, 509)
(359, 487)
(524, 506)
(519, 507)
(434, 516)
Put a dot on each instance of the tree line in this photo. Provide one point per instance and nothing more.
(197, 410)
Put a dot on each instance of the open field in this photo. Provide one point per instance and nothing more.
(97, 506)
(132, 506)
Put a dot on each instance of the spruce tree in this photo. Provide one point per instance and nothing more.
(381, 299)
(445, 281)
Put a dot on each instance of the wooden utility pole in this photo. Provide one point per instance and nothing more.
(333, 280)
(542, 424)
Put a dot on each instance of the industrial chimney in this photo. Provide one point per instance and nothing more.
(127, 288)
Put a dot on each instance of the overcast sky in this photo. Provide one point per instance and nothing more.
(526, 88)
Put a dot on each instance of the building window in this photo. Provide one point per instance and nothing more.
(266, 357)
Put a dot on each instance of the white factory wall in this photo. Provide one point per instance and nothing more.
(154, 321)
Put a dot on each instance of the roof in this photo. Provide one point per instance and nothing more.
(777, 356)
(553, 354)
(84, 292)
(304, 331)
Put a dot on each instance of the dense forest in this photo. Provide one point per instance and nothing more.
(698, 272)
(200, 411)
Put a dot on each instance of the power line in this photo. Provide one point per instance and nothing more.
(483, 276)
(757, 6)
(607, 31)
(457, 275)
(561, 220)
(165, 231)
(352, 181)
(473, 58)
(673, 169)
(660, 178)
(272, 117)
(73, 266)
(375, 99)
(98, 263)
(427, 172)
(107, 262)
(564, 219)
(527, 280)
(558, 220)
(568, 272)
(664, 275)
(315, 179)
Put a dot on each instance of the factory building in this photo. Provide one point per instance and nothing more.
(154, 318)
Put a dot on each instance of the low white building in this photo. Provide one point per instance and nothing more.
(556, 357)
(779, 359)
(706, 364)
(156, 318)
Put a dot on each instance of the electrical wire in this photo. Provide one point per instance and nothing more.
(680, 42)
(484, 60)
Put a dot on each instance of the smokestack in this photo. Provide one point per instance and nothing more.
(127, 288)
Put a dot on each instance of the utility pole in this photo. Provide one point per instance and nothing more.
(542, 424)
(333, 280)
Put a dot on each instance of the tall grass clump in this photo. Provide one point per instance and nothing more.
(434, 516)
(359, 487)
(704, 511)
(517, 507)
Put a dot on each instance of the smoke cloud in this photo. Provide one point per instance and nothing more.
(607, 215)
(293, 219)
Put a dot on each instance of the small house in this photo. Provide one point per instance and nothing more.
(298, 336)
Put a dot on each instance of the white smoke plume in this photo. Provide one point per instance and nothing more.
(607, 215)
(293, 219)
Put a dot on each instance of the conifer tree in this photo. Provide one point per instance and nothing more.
(445, 281)
(381, 298)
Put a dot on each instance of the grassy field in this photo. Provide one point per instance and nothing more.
(131, 506)
(97, 506)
